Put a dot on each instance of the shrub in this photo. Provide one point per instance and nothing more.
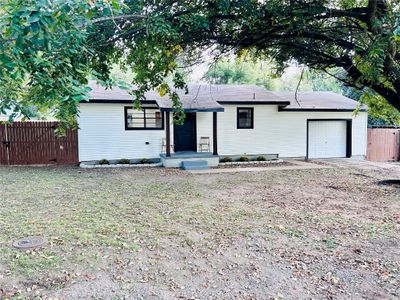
(261, 158)
(104, 162)
(226, 159)
(144, 161)
(124, 161)
(243, 158)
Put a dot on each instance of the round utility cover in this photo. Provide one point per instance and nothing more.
(392, 182)
(29, 242)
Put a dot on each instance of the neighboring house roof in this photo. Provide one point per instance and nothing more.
(210, 97)
(6, 116)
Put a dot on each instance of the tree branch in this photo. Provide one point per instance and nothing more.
(115, 18)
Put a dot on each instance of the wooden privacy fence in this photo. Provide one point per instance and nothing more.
(383, 144)
(29, 143)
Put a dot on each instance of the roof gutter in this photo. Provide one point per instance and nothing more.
(109, 101)
(281, 103)
(193, 110)
(319, 109)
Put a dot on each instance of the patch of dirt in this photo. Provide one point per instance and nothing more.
(98, 286)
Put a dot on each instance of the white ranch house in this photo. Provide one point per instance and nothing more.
(234, 120)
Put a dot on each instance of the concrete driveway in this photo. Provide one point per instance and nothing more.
(384, 167)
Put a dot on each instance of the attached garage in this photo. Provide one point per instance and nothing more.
(328, 138)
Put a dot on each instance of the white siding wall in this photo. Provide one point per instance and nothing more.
(102, 134)
(283, 133)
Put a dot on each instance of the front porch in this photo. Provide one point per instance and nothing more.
(185, 137)
(186, 146)
(175, 160)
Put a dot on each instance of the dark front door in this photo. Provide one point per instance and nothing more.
(185, 135)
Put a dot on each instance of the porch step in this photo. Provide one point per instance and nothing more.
(194, 165)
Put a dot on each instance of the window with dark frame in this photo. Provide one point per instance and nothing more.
(245, 117)
(148, 118)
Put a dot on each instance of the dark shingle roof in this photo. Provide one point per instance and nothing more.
(319, 101)
(197, 100)
(210, 97)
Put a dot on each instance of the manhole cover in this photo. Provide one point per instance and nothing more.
(29, 242)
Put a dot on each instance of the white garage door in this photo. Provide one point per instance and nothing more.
(327, 139)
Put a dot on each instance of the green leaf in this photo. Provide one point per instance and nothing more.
(33, 19)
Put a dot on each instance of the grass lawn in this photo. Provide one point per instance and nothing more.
(162, 234)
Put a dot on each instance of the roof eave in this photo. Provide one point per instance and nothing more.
(193, 110)
(320, 109)
(116, 101)
(280, 103)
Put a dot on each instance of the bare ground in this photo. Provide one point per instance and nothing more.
(162, 234)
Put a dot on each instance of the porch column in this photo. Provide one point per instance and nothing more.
(168, 134)
(215, 139)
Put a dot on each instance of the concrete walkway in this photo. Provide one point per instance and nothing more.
(297, 165)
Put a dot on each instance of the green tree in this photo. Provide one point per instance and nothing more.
(263, 73)
(239, 72)
(48, 49)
